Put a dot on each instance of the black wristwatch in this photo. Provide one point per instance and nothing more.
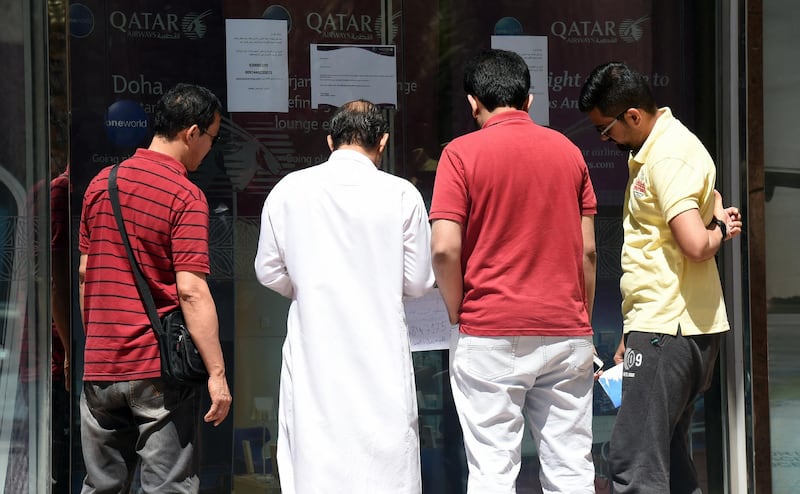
(722, 227)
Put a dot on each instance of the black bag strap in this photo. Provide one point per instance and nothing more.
(141, 284)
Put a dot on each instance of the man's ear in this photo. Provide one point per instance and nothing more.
(635, 115)
(382, 147)
(474, 104)
(330, 142)
(528, 102)
(377, 158)
(193, 132)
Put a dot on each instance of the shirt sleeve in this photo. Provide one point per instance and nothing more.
(417, 270)
(87, 210)
(450, 200)
(190, 238)
(588, 197)
(678, 186)
(269, 265)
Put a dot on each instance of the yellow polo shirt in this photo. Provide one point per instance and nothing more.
(662, 289)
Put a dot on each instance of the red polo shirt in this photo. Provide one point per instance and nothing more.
(166, 217)
(518, 190)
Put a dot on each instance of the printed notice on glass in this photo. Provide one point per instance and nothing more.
(532, 49)
(342, 73)
(429, 327)
(257, 65)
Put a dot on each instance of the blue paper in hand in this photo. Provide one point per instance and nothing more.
(611, 382)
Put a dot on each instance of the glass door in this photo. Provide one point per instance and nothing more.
(123, 57)
(782, 180)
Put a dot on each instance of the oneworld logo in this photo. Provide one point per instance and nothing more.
(81, 20)
(600, 32)
(126, 123)
(160, 25)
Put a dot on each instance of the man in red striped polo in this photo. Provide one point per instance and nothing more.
(129, 415)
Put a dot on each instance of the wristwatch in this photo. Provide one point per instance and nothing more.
(722, 227)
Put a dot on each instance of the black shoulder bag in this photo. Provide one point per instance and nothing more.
(180, 360)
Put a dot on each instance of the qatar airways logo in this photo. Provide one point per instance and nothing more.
(346, 26)
(600, 32)
(160, 25)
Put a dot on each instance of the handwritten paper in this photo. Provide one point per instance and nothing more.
(429, 327)
(533, 49)
(257, 65)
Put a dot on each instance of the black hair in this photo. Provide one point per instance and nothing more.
(614, 87)
(498, 78)
(358, 122)
(182, 106)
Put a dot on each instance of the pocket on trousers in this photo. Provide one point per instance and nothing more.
(582, 351)
(146, 393)
(490, 361)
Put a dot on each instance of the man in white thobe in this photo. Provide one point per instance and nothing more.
(346, 241)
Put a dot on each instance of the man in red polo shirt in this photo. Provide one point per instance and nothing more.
(514, 257)
(129, 415)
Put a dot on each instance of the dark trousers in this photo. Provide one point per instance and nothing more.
(60, 447)
(663, 376)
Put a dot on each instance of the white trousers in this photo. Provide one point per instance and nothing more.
(497, 382)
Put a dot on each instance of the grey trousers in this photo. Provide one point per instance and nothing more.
(144, 422)
(663, 376)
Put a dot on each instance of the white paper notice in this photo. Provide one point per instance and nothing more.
(429, 327)
(257, 65)
(342, 73)
(533, 49)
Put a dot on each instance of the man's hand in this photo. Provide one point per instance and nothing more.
(220, 400)
(200, 314)
(730, 216)
(598, 363)
(67, 377)
(619, 355)
(446, 260)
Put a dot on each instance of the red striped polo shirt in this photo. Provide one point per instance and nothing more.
(166, 217)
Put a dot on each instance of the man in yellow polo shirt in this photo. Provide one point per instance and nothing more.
(674, 314)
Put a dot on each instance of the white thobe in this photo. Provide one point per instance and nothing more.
(346, 241)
